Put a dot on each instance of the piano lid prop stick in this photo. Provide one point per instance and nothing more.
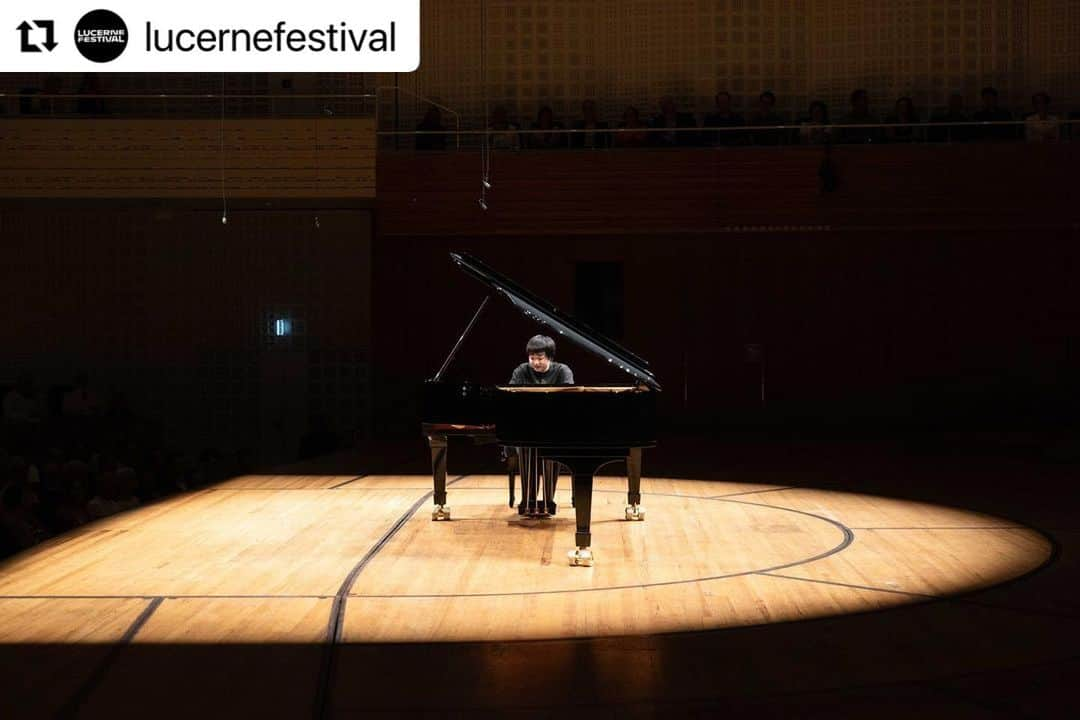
(457, 345)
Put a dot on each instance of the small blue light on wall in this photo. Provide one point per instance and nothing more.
(282, 327)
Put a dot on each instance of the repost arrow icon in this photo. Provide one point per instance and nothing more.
(24, 32)
(49, 43)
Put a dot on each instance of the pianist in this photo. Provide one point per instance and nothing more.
(541, 369)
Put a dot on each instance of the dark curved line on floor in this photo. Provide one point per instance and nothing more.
(334, 627)
(961, 597)
(950, 527)
(755, 492)
(908, 593)
(1052, 558)
(847, 539)
(78, 698)
(351, 480)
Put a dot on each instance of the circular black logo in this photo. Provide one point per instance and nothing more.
(101, 36)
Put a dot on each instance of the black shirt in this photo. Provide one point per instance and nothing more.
(557, 374)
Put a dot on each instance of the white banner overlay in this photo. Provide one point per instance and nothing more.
(209, 36)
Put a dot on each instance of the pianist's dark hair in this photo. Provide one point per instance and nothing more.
(541, 344)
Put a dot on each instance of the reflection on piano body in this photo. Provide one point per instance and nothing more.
(582, 427)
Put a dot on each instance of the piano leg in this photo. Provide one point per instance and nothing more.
(634, 511)
(583, 486)
(528, 466)
(511, 472)
(551, 482)
(438, 444)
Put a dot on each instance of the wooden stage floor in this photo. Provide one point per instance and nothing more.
(318, 595)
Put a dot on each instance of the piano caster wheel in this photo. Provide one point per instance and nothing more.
(441, 512)
(635, 512)
(582, 557)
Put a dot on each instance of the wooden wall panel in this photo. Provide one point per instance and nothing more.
(175, 309)
(132, 158)
(721, 190)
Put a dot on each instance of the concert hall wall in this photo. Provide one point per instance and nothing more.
(891, 327)
(161, 300)
(934, 285)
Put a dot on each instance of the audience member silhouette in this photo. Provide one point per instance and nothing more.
(22, 404)
(765, 114)
(87, 104)
(81, 401)
(860, 116)
(952, 113)
(990, 112)
(593, 129)
(432, 123)
(813, 130)
(1041, 126)
(633, 134)
(504, 134)
(723, 116)
(672, 120)
(549, 139)
(904, 117)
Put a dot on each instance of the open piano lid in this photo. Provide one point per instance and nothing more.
(545, 313)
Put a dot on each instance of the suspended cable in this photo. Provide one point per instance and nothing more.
(221, 137)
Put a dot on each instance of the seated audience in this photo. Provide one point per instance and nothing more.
(504, 134)
(20, 527)
(81, 401)
(60, 459)
(953, 113)
(765, 115)
(860, 115)
(813, 130)
(671, 119)
(904, 118)
(549, 139)
(22, 404)
(723, 116)
(1041, 126)
(71, 510)
(432, 123)
(87, 104)
(633, 130)
(991, 113)
(116, 493)
(593, 135)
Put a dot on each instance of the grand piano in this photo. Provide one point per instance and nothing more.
(581, 427)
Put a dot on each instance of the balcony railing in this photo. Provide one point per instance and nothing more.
(784, 135)
(169, 105)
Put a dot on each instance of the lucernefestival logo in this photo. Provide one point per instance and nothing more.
(101, 36)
